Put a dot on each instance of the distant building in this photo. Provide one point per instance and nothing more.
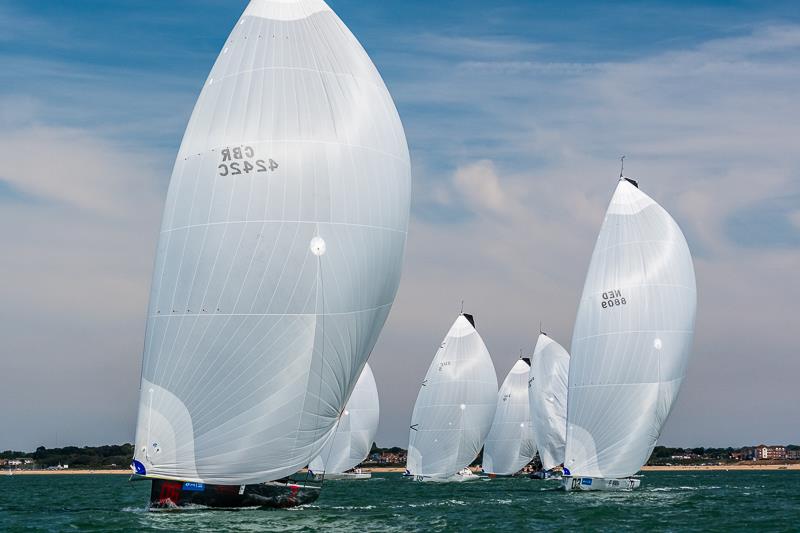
(744, 454)
(793, 455)
(388, 458)
(770, 453)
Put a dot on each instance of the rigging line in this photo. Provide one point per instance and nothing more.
(322, 353)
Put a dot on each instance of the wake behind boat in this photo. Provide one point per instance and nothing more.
(277, 265)
(631, 343)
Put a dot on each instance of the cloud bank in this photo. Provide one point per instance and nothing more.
(515, 149)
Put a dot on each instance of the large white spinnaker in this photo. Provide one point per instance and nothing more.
(351, 442)
(632, 338)
(510, 444)
(455, 406)
(548, 400)
(280, 252)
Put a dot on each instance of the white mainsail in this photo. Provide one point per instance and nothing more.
(548, 400)
(351, 442)
(455, 405)
(510, 444)
(280, 252)
(632, 338)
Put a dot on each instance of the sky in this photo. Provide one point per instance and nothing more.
(516, 113)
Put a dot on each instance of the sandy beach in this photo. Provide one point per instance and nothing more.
(731, 467)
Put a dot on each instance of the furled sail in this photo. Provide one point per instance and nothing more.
(351, 442)
(510, 444)
(455, 405)
(632, 338)
(280, 252)
(548, 400)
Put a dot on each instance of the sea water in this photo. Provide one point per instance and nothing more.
(667, 501)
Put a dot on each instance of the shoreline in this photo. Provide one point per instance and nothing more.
(742, 467)
(399, 470)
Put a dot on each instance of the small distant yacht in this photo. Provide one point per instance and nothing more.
(454, 409)
(631, 344)
(350, 444)
(547, 393)
(510, 445)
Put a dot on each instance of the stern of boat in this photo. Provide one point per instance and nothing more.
(166, 494)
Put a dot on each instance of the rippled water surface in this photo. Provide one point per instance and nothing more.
(680, 501)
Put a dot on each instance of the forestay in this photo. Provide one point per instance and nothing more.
(455, 406)
(510, 444)
(280, 251)
(548, 400)
(632, 338)
(351, 442)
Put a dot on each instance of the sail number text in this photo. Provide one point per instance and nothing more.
(613, 299)
(242, 159)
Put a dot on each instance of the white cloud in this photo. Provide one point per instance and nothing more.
(79, 248)
(795, 219)
(524, 149)
(479, 184)
(709, 131)
(70, 166)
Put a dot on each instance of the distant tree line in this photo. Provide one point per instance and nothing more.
(664, 454)
(378, 449)
(119, 456)
(110, 456)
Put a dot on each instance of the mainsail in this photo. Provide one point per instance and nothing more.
(510, 444)
(548, 400)
(632, 338)
(280, 252)
(351, 442)
(455, 405)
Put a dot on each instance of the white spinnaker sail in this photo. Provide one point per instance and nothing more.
(351, 442)
(280, 251)
(548, 400)
(510, 445)
(455, 405)
(632, 338)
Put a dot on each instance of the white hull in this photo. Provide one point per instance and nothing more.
(342, 477)
(600, 484)
(455, 478)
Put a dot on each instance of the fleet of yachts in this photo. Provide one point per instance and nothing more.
(278, 263)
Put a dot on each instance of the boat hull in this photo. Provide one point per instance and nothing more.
(166, 494)
(546, 476)
(455, 478)
(342, 477)
(600, 484)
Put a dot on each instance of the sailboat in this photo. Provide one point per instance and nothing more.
(351, 442)
(547, 384)
(454, 408)
(631, 344)
(278, 262)
(510, 443)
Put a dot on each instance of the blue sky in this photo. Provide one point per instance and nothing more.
(516, 113)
